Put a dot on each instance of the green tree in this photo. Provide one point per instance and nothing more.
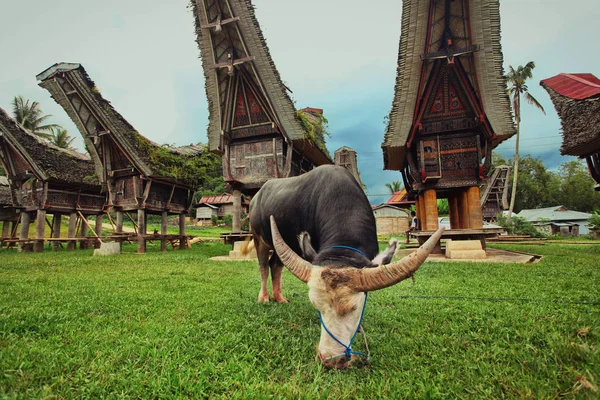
(537, 186)
(394, 187)
(31, 117)
(517, 88)
(577, 187)
(61, 138)
(497, 160)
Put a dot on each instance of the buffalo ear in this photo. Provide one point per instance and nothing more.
(386, 256)
(308, 253)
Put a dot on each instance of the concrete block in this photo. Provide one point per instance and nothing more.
(464, 250)
(236, 253)
(108, 249)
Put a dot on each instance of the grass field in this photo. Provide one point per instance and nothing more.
(175, 325)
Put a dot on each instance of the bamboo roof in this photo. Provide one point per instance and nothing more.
(576, 98)
(476, 29)
(346, 157)
(230, 42)
(73, 89)
(48, 162)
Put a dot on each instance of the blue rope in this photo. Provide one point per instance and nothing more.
(349, 248)
(348, 352)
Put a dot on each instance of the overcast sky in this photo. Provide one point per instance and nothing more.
(339, 55)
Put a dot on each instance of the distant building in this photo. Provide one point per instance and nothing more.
(219, 206)
(558, 220)
(391, 220)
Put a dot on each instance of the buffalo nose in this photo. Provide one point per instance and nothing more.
(340, 362)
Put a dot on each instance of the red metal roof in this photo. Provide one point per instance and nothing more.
(400, 198)
(574, 86)
(224, 198)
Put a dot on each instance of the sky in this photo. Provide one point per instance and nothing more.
(339, 55)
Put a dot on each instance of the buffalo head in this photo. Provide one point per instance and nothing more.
(339, 292)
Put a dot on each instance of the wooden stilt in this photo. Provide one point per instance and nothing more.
(98, 230)
(40, 227)
(119, 226)
(5, 229)
(182, 238)
(418, 211)
(453, 211)
(463, 209)
(475, 214)
(72, 231)
(423, 217)
(236, 225)
(24, 234)
(141, 217)
(83, 231)
(163, 230)
(431, 211)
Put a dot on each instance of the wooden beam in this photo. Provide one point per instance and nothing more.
(229, 64)
(86, 223)
(219, 23)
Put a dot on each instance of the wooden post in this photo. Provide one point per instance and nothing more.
(141, 217)
(119, 227)
(421, 212)
(463, 209)
(24, 234)
(5, 229)
(431, 210)
(182, 238)
(56, 230)
(72, 231)
(98, 229)
(40, 227)
(83, 232)
(418, 211)
(163, 230)
(453, 211)
(475, 214)
(236, 225)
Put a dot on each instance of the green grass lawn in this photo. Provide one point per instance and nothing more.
(175, 325)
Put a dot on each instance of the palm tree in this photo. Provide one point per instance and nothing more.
(394, 187)
(61, 138)
(30, 116)
(516, 88)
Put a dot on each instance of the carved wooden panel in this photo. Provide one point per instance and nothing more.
(256, 161)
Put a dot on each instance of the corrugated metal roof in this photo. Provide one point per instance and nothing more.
(400, 197)
(556, 213)
(574, 86)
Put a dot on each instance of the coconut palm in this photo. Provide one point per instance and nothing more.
(31, 117)
(394, 187)
(517, 88)
(61, 138)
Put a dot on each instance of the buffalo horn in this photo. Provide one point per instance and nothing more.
(296, 264)
(368, 279)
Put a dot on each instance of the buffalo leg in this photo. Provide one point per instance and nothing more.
(276, 272)
(262, 251)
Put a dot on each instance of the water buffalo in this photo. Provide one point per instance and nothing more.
(325, 216)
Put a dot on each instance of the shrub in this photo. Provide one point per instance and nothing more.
(518, 226)
(228, 220)
(214, 219)
(594, 221)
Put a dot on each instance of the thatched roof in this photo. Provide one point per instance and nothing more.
(228, 33)
(47, 161)
(484, 69)
(5, 198)
(576, 98)
(71, 87)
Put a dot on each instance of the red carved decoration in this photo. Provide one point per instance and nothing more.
(240, 110)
